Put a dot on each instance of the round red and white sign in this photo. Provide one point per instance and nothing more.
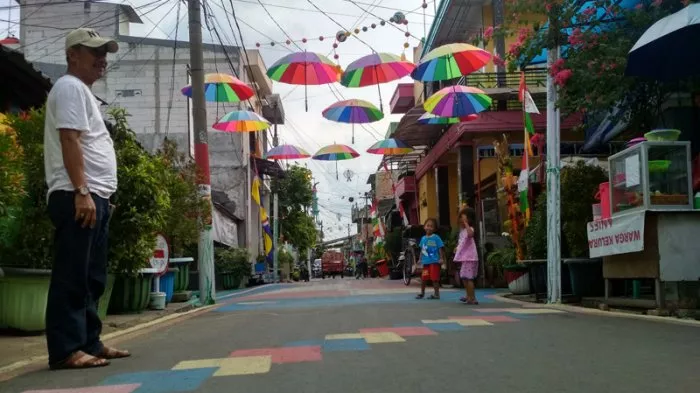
(161, 255)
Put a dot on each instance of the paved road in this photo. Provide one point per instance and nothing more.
(372, 336)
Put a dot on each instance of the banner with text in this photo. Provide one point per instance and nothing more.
(618, 235)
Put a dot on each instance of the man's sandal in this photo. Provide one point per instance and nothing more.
(80, 360)
(113, 353)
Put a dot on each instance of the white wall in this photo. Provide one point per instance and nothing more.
(140, 79)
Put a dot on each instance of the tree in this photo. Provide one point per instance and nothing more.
(295, 196)
(591, 76)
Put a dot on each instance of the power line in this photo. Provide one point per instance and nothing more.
(172, 75)
(274, 20)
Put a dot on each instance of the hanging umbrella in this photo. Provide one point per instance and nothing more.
(457, 101)
(449, 62)
(304, 68)
(390, 147)
(429, 118)
(662, 52)
(222, 88)
(286, 152)
(375, 69)
(335, 153)
(241, 121)
(353, 112)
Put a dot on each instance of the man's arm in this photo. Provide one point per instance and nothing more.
(73, 156)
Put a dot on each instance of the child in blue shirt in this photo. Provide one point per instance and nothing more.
(432, 256)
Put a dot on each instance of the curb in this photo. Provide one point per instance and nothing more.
(591, 311)
(39, 362)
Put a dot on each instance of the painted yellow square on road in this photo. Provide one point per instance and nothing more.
(344, 336)
(231, 366)
(382, 337)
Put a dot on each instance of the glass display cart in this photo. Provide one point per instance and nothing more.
(652, 232)
(651, 176)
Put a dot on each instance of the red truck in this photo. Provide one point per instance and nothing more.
(332, 264)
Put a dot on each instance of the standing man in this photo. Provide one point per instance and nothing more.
(81, 174)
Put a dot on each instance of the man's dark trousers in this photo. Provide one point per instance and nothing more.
(78, 278)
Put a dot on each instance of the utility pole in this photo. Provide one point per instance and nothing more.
(275, 223)
(205, 254)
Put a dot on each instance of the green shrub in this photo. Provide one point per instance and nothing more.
(28, 239)
(232, 260)
(142, 200)
(536, 231)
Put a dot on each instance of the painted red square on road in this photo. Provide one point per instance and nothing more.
(95, 389)
(489, 318)
(284, 355)
(403, 331)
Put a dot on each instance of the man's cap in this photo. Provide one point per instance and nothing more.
(90, 38)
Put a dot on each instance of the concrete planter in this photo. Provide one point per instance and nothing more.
(518, 280)
(23, 295)
(103, 304)
(182, 277)
(131, 294)
(586, 276)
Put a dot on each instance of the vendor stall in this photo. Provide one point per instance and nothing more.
(648, 228)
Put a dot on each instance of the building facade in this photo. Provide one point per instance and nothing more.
(145, 78)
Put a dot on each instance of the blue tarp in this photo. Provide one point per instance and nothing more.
(600, 15)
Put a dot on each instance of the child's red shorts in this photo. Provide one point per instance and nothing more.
(431, 272)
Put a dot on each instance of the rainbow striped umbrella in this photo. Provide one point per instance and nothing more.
(336, 152)
(304, 68)
(353, 112)
(449, 62)
(222, 88)
(390, 147)
(429, 118)
(375, 69)
(241, 121)
(457, 101)
(286, 152)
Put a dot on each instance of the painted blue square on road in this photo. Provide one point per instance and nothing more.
(163, 381)
(351, 344)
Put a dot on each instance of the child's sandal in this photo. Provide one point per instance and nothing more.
(420, 296)
(433, 297)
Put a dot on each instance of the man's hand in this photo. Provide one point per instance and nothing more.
(85, 210)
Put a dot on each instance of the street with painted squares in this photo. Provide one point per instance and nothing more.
(374, 336)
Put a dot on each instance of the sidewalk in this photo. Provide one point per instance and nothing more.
(22, 348)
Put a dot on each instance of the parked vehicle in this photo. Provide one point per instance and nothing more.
(332, 264)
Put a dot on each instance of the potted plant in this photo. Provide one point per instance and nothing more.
(142, 203)
(285, 261)
(579, 184)
(516, 274)
(27, 232)
(233, 266)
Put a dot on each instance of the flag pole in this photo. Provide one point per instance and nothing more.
(553, 187)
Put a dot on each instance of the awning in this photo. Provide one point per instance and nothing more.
(414, 133)
(504, 121)
(23, 86)
(269, 168)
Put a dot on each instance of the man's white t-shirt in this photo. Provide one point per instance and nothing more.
(72, 105)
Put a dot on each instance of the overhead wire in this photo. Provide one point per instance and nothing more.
(172, 75)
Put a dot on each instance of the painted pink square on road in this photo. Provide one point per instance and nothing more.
(489, 318)
(284, 355)
(96, 389)
(403, 331)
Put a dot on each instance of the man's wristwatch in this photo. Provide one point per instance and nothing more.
(83, 190)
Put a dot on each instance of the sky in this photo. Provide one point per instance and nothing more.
(280, 20)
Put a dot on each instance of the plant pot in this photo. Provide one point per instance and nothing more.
(131, 294)
(230, 281)
(396, 274)
(518, 280)
(182, 277)
(490, 272)
(586, 276)
(157, 301)
(23, 295)
(167, 283)
(103, 304)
